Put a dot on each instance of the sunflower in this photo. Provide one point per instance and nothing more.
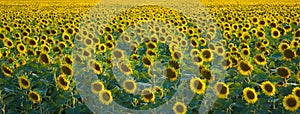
(170, 73)
(96, 87)
(66, 69)
(260, 59)
(194, 52)
(159, 90)
(282, 46)
(102, 48)
(268, 88)
(221, 90)
(291, 102)
(62, 82)
(244, 67)
(289, 54)
(207, 55)
(8, 43)
(245, 52)
(6, 70)
(44, 58)
(226, 63)
(207, 74)
(105, 97)
(197, 60)
(24, 82)
(125, 68)
(179, 108)
(34, 96)
(174, 64)
(296, 91)
(117, 53)
(283, 72)
(147, 61)
(110, 45)
(197, 85)
(68, 59)
(194, 42)
(151, 45)
(21, 48)
(32, 43)
(250, 95)
(260, 34)
(129, 86)
(275, 33)
(176, 55)
(220, 51)
(151, 52)
(147, 95)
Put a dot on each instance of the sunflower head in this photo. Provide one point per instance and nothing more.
(250, 95)
(62, 82)
(221, 90)
(24, 82)
(291, 102)
(147, 95)
(105, 97)
(268, 88)
(283, 72)
(197, 85)
(179, 108)
(34, 96)
(129, 86)
(97, 86)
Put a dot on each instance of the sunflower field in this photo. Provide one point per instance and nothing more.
(151, 56)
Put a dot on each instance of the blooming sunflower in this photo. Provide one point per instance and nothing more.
(283, 72)
(260, 59)
(24, 82)
(147, 95)
(97, 86)
(62, 82)
(221, 90)
(268, 88)
(250, 95)
(171, 73)
(245, 68)
(34, 96)
(291, 102)
(105, 97)
(66, 69)
(6, 70)
(179, 108)
(129, 86)
(197, 85)
(296, 91)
